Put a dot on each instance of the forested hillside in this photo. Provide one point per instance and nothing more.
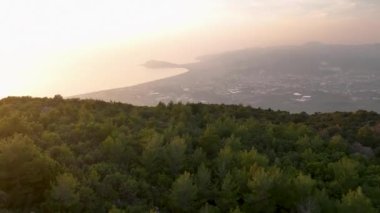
(61, 155)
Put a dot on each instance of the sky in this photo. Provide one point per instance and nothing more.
(71, 47)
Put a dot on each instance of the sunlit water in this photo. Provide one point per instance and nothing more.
(84, 71)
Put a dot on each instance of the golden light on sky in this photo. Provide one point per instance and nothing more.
(76, 46)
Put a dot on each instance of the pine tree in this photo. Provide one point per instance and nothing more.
(183, 193)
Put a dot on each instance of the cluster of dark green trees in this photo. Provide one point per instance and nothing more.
(90, 156)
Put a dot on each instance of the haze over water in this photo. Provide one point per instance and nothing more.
(71, 47)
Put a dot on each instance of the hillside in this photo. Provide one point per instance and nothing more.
(313, 78)
(61, 155)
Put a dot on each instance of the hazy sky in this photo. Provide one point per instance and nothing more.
(75, 46)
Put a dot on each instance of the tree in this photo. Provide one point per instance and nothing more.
(152, 156)
(305, 186)
(345, 172)
(366, 136)
(25, 172)
(355, 202)
(62, 154)
(204, 184)
(175, 155)
(64, 193)
(337, 143)
(122, 158)
(113, 149)
(248, 158)
(209, 209)
(268, 187)
(224, 161)
(210, 142)
(183, 194)
(58, 97)
(228, 193)
(13, 124)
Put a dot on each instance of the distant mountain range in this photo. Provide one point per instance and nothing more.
(313, 77)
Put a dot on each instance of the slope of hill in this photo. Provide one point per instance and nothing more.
(154, 64)
(313, 78)
(90, 156)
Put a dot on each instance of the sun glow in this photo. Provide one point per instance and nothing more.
(34, 34)
(76, 46)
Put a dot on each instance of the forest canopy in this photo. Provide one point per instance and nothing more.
(73, 155)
